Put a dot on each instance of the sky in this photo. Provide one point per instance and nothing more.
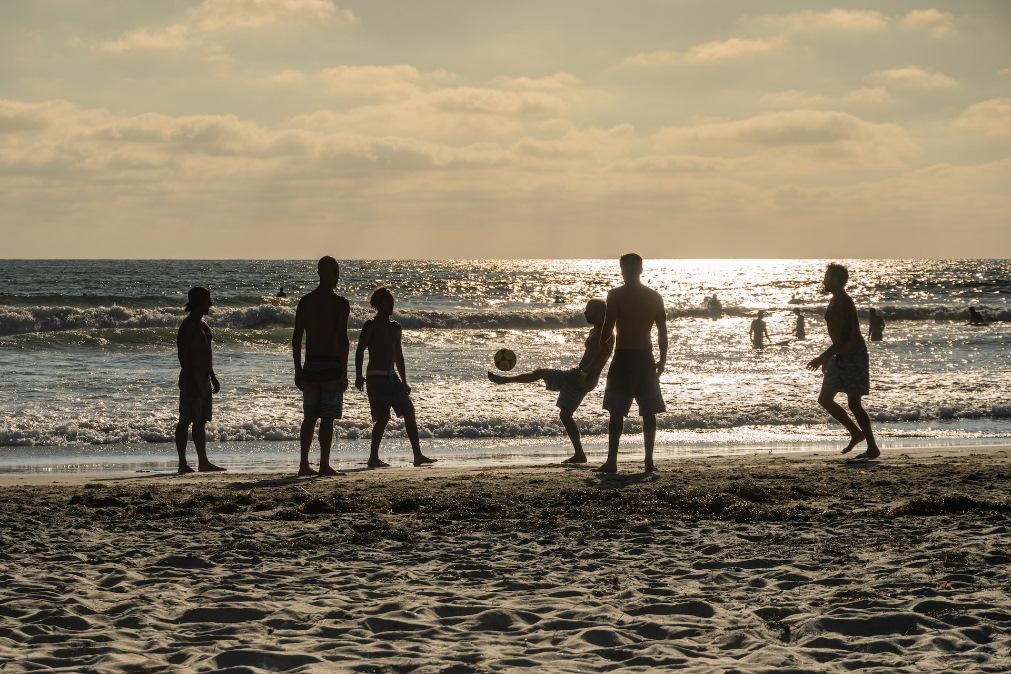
(468, 129)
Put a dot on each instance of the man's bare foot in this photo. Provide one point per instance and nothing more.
(576, 458)
(305, 471)
(184, 469)
(871, 453)
(854, 441)
(422, 460)
(209, 468)
(650, 467)
(327, 471)
(608, 467)
(495, 378)
(377, 463)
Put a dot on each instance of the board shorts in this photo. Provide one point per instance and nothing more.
(848, 373)
(195, 400)
(321, 394)
(632, 376)
(570, 386)
(387, 392)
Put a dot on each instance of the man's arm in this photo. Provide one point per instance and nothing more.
(661, 335)
(363, 343)
(296, 345)
(343, 343)
(610, 318)
(401, 367)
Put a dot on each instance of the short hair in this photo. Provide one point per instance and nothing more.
(327, 261)
(630, 260)
(839, 271)
(381, 291)
(196, 295)
(596, 303)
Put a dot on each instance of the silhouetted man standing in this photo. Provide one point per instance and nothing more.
(633, 309)
(323, 316)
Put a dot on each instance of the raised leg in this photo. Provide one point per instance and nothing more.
(525, 378)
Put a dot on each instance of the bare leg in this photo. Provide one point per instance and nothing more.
(411, 424)
(325, 442)
(305, 442)
(614, 428)
(864, 422)
(572, 430)
(526, 378)
(378, 428)
(832, 407)
(200, 442)
(649, 439)
(182, 435)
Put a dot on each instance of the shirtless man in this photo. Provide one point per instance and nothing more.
(197, 380)
(323, 316)
(634, 309)
(759, 332)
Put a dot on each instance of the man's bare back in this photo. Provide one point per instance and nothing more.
(323, 315)
(635, 310)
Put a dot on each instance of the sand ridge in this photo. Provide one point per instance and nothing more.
(747, 564)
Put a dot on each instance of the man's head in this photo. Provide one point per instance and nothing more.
(797, 311)
(329, 272)
(761, 314)
(382, 300)
(836, 277)
(198, 301)
(873, 312)
(594, 312)
(631, 266)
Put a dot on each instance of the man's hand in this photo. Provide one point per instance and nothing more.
(360, 383)
(298, 379)
(660, 365)
(816, 363)
(215, 386)
(344, 383)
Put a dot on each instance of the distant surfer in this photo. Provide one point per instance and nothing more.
(281, 293)
(845, 364)
(633, 309)
(758, 332)
(876, 326)
(197, 381)
(713, 306)
(799, 330)
(976, 318)
(322, 316)
(572, 385)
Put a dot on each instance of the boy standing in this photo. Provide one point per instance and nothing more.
(382, 338)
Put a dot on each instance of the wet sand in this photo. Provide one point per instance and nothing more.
(745, 563)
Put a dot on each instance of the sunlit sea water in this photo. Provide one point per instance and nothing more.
(89, 367)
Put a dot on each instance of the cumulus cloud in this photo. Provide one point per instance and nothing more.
(204, 24)
(915, 77)
(834, 20)
(813, 136)
(733, 49)
(794, 98)
(391, 81)
(936, 23)
(992, 118)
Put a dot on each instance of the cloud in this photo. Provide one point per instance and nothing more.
(806, 136)
(793, 98)
(392, 81)
(733, 49)
(834, 20)
(1005, 72)
(915, 77)
(934, 22)
(560, 80)
(992, 118)
(204, 24)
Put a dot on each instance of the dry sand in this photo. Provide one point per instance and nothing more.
(743, 564)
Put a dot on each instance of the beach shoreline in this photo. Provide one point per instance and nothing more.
(753, 562)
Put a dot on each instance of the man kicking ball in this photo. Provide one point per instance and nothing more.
(572, 385)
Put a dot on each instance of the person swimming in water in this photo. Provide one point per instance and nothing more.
(758, 332)
(281, 293)
(572, 385)
(799, 330)
(976, 318)
(876, 326)
(845, 364)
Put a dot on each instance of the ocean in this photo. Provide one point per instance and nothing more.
(87, 351)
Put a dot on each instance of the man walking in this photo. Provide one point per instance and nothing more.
(633, 309)
(323, 316)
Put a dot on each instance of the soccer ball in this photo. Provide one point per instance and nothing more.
(505, 359)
